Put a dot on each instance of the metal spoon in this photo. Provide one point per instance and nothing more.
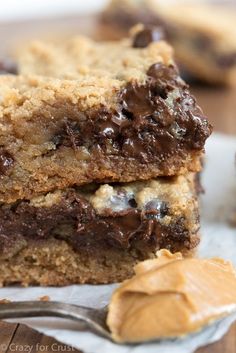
(94, 319)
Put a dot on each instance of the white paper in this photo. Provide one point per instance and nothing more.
(218, 239)
(15, 10)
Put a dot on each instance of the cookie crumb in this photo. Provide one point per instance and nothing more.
(44, 298)
(4, 301)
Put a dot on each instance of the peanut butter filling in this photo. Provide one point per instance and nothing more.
(171, 297)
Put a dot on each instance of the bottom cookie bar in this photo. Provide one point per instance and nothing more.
(96, 234)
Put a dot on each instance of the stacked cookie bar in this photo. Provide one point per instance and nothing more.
(101, 145)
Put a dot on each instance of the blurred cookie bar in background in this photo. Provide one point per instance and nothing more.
(203, 35)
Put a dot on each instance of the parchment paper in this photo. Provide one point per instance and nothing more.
(218, 239)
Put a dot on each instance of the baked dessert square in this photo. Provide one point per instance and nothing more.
(203, 35)
(96, 233)
(110, 112)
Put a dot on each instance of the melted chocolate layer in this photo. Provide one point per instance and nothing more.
(153, 121)
(74, 220)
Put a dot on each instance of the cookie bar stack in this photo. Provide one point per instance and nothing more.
(100, 146)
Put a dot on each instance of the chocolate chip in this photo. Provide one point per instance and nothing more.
(142, 100)
(6, 161)
(148, 35)
(159, 71)
(133, 203)
(8, 66)
(68, 136)
(155, 209)
(121, 201)
(137, 100)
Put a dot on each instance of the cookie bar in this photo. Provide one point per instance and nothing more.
(203, 38)
(96, 233)
(127, 116)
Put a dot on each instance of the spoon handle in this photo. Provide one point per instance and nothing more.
(93, 318)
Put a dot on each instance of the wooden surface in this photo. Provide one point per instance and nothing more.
(20, 338)
(219, 104)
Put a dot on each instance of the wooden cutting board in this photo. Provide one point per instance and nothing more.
(219, 104)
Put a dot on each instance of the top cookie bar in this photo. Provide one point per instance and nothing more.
(122, 114)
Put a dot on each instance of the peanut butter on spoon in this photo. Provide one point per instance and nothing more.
(171, 297)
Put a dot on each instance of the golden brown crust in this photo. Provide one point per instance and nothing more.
(55, 263)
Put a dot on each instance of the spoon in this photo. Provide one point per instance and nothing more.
(94, 319)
